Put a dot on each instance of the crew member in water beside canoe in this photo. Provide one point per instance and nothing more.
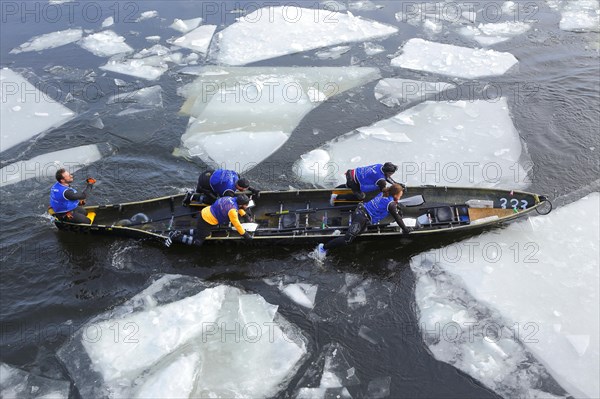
(371, 212)
(221, 183)
(66, 201)
(223, 211)
(366, 179)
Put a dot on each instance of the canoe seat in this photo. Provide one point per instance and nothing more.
(445, 215)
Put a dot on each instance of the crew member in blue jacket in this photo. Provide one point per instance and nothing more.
(221, 183)
(225, 210)
(367, 179)
(66, 201)
(372, 212)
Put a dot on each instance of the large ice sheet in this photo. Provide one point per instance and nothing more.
(240, 116)
(251, 38)
(578, 15)
(26, 111)
(446, 59)
(183, 338)
(542, 275)
(43, 167)
(442, 143)
(105, 44)
(49, 40)
(493, 33)
(396, 91)
(197, 40)
(17, 384)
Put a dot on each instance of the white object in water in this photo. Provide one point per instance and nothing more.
(43, 167)
(21, 102)
(298, 29)
(49, 40)
(544, 282)
(446, 59)
(240, 116)
(185, 25)
(301, 293)
(16, 383)
(439, 143)
(105, 44)
(197, 40)
(493, 33)
(395, 91)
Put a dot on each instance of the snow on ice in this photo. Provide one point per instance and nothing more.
(49, 40)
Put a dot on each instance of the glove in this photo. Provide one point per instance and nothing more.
(81, 202)
(254, 191)
(407, 230)
(90, 180)
(247, 237)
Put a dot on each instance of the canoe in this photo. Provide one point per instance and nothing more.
(307, 217)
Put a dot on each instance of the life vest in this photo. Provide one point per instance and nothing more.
(58, 202)
(377, 208)
(368, 176)
(223, 180)
(220, 209)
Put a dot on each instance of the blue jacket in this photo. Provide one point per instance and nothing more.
(377, 208)
(223, 180)
(58, 202)
(220, 209)
(368, 176)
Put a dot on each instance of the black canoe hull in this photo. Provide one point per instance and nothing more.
(305, 216)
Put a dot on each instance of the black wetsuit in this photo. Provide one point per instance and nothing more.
(360, 220)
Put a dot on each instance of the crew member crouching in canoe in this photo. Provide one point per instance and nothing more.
(369, 213)
(66, 201)
(366, 179)
(223, 211)
(221, 183)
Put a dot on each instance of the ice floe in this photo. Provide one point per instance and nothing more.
(110, 21)
(332, 372)
(462, 143)
(185, 25)
(105, 44)
(149, 68)
(333, 53)
(493, 33)
(542, 277)
(147, 97)
(147, 15)
(43, 167)
(183, 338)
(198, 39)
(251, 38)
(578, 15)
(240, 116)
(49, 40)
(446, 59)
(396, 91)
(17, 384)
(26, 111)
(301, 293)
(372, 48)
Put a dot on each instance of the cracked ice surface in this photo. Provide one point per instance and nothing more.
(25, 110)
(490, 34)
(16, 384)
(251, 38)
(542, 276)
(177, 341)
(442, 143)
(242, 115)
(105, 44)
(578, 15)
(446, 59)
(49, 40)
(394, 91)
(45, 166)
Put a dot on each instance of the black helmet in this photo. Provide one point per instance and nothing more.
(243, 183)
(389, 167)
(242, 199)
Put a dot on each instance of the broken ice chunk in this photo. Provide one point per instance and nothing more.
(105, 44)
(185, 25)
(149, 97)
(490, 34)
(452, 60)
(21, 101)
(333, 53)
(17, 384)
(197, 40)
(147, 15)
(150, 68)
(302, 294)
(251, 38)
(108, 22)
(372, 48)
(49, 40)
(393, 92)
(43, 167)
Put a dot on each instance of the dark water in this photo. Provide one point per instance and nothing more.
(52, 282)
